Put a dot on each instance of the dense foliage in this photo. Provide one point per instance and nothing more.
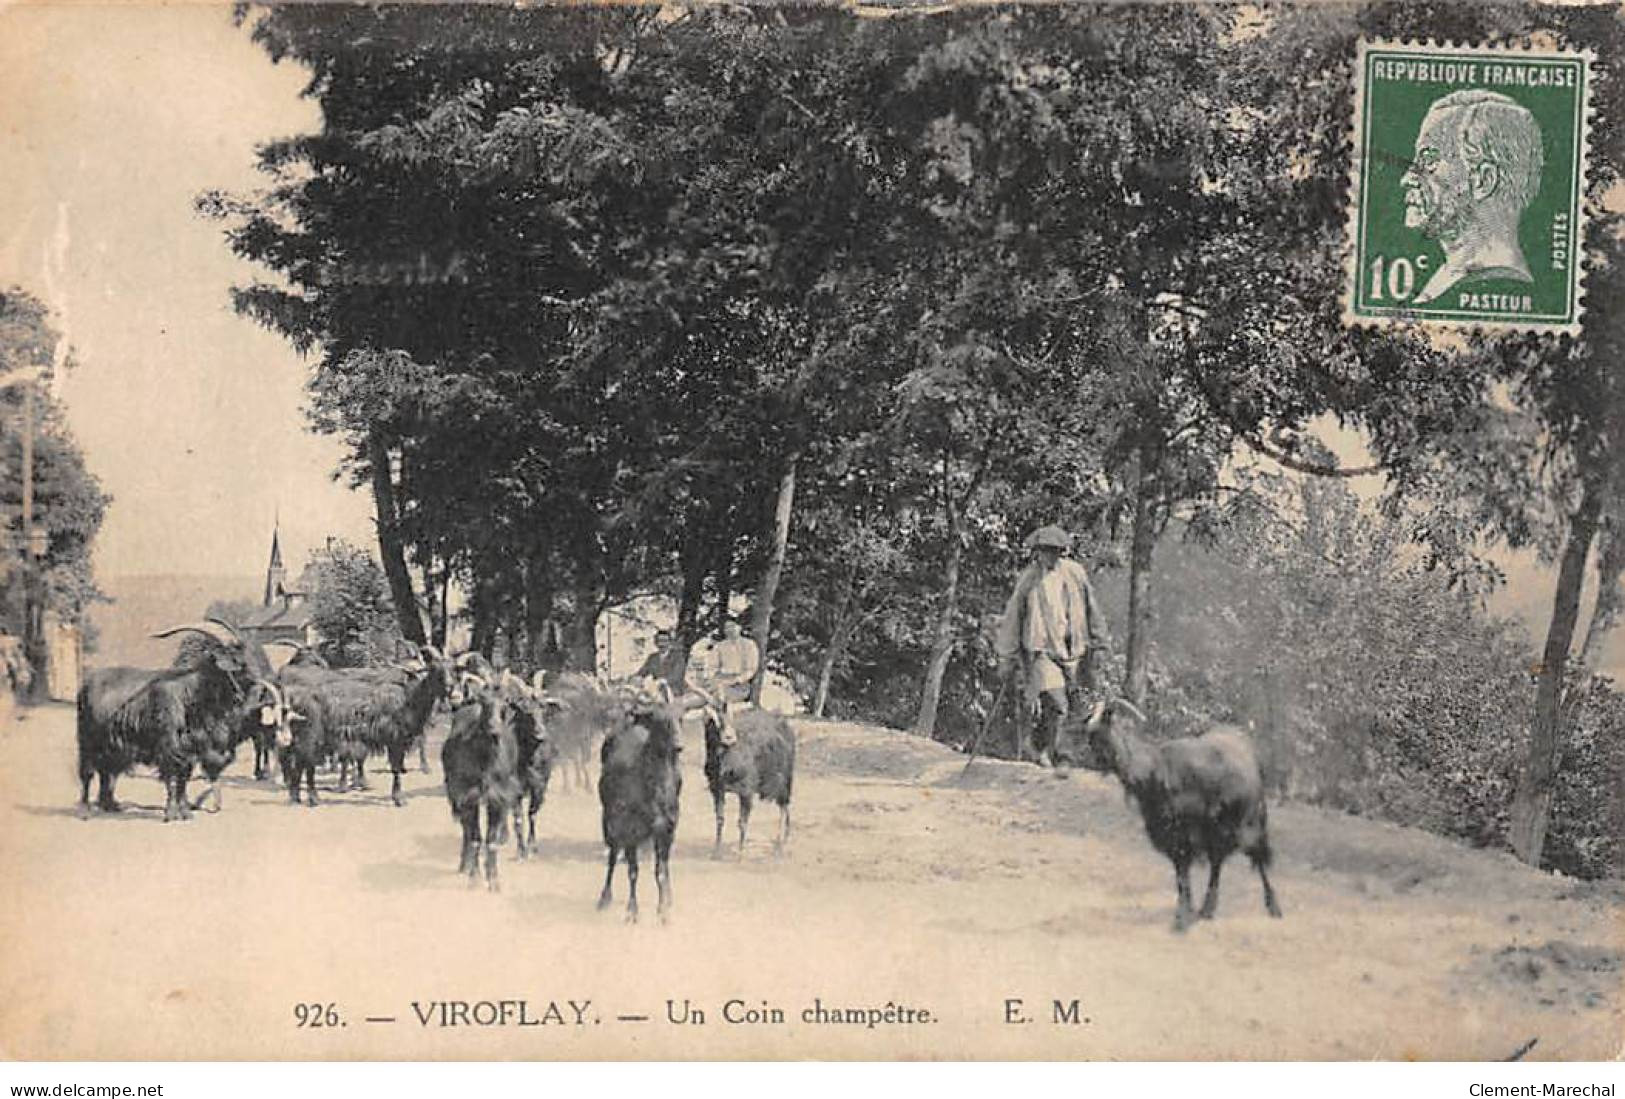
(350, 607)
(68, 500)
(830, 311)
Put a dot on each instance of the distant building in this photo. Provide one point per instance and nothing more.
(285, 613)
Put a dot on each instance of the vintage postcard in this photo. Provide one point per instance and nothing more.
(812, 532)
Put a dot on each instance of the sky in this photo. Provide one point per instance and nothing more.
(112, 120)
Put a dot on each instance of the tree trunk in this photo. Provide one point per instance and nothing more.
(768, 589)
(692, 560)
(483, 633)
(846, 626)
(581, 641)
(442, 626)
(942, 644)
(1605, 613)
(1139, 587)
(724, 570)
(431, 590)
(390, 548)
(538, 608)
(1531, 805)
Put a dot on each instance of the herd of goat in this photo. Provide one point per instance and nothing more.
(1199, 797)
(507, 737)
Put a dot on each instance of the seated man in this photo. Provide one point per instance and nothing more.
(662, 663)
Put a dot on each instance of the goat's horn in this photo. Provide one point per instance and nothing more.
(468, 677)
(1096, 714)
(301, 646)
(227, 626)
(537, 679)
(203, 628)
(1124, 706)
(276, 692)
(434, 652)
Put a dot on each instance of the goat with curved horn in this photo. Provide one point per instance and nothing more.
(223, 624)
(203, 627)
(175, 719)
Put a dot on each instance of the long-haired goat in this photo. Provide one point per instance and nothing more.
(368, 710)
(172, 719)
(1200, 797)
(639, 784)
(481, 762)
(530, 712)
(265, 736)
(751, 754)
(585, 709)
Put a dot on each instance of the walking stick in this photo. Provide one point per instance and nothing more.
(988, 724)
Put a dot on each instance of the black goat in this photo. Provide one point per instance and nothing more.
(266, 719)
(1199, 796)
(639, 784)
(265, 736)
(307, 741)
(530, 710)
(172, 719)
(481, 762)
(752, 754)
(367, 710)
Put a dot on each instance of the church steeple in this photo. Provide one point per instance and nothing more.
(274, 572)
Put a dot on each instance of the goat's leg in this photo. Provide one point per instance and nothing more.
(496, 835)
(609, 878)
(171, 813)
(784, 827)
(1182, 874)
(1210, 902)
(520, 840)
(470, 821)
(632, 884)
(310, 782)
(180, 792)
(213, 789)
(530, 822)
(292, 774)
(745, 801)
(105, 801)
(1261, 864)
(663, 872)
(423, 753)
(719, 800)
(397, 765)
(85, 775)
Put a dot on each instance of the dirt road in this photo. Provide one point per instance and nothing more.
(990, 903)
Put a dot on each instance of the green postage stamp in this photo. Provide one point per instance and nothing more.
(1467, 198)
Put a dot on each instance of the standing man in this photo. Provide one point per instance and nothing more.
(1053, 631)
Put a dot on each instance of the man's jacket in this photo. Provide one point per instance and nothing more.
(1052, 614)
